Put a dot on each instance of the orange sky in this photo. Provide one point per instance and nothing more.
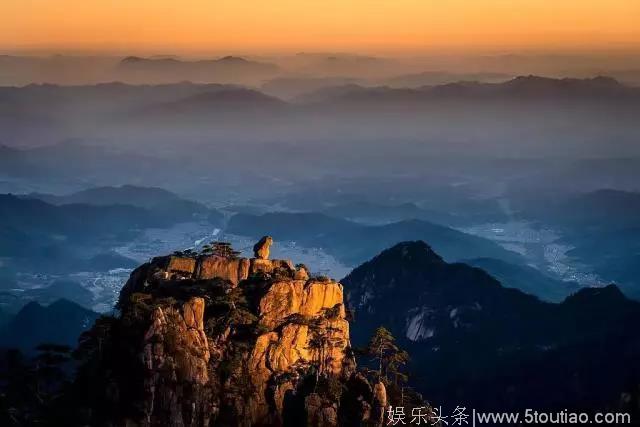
(259, 25)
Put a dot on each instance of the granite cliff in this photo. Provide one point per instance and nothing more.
(216, 339)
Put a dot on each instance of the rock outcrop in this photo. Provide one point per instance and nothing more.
(213, 340)
(211, 266)
(261, 249)
(233, 270)
(175, 346)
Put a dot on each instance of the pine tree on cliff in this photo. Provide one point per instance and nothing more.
(318, 343)
(223, 249)
(324, 338)
(383, 349)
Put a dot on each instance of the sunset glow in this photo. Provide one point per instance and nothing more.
(258, 25)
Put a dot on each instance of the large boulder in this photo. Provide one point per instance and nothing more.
(261, 249)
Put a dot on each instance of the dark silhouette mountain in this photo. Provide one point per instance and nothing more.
(530, 88)
(577, 115)
(474, 341)
(432, 78)
(521, 89)
(224, 106)
(103, 99)
(91, 217)
(166, 70)
(37, 236)
(78, 222)
(222, 102)
(535, 87)
(292, 87)
(62, 322)
(144, 197)
(68, 290)
(158, 200)
(353, 243)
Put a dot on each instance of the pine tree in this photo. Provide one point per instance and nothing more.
(223, 249)
(383, 349)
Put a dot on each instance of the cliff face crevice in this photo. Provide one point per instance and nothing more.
(231, 341)
(176, 358)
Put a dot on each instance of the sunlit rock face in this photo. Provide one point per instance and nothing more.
(229, 341)
(180, 265)
(307, 297)
(262, 248)
(176, 351)
(205, 267)
(233, 270)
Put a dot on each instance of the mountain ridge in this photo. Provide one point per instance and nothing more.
(473, 339)
(60, 322)
(336, 235)
(530, 88)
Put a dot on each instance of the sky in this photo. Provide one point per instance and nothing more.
(274, 25)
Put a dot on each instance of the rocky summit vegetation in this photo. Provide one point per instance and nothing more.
(242, 342)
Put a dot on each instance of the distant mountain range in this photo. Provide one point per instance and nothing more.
(16, 70)
(233, 69)
(214, 104)
(575, 112)
(521, 89)
(59, 289)
(14, 298)
(474, 341)
(122, 96)
(354, 243)
(289, 88)
(432, 78)
(61, 322)
(476, 212)
(156, 199)
(79, 232)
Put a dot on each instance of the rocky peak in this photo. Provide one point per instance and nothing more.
(416, 253)
(229, 267)
(218, 339)
(599, 298)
